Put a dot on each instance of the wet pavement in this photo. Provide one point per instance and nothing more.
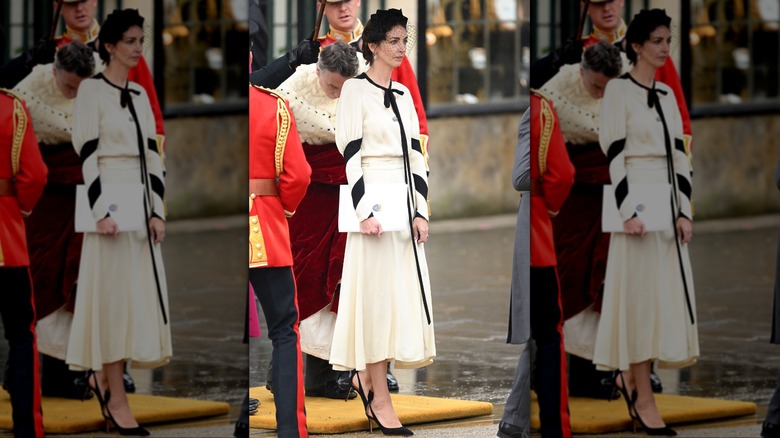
(205, 264)
(470, 266)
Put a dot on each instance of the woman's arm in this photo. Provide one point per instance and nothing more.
(349, 140)
(612, 137)
(86, 137)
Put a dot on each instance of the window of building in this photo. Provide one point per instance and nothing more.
(204, 44)
(734, 47)
(478, 50)
(206, 51)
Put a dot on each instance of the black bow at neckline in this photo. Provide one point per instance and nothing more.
(388, 91)
(125, 92)
(652, 93)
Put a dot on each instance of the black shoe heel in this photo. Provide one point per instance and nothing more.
(624, 392)
(366, 399)
(101, 398)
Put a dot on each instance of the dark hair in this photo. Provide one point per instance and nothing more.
(340, 58)
(603, 58)
(75, 57)
(643, 24)
(375, 31)
(114, 26)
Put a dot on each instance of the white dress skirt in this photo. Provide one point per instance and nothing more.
(644, 314)
(117, 314)
(381, 314)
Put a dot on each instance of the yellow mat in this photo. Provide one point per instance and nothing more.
(327, 416)
(601, 416)
(74, 416)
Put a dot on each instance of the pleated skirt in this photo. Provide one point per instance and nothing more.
(118, 315)
(381, 313)
(644, 314)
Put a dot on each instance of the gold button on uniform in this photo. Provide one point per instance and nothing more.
(254, 220)
(253, 196)
(256, 229)
(259, 246)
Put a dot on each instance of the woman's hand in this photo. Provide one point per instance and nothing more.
(371, 226)
(634, 227)
(107, 226)
(157, 229)
(684, 229)
(420, 227)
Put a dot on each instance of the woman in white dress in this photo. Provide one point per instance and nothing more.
(649, 309)
(385, 310)
(121, 311)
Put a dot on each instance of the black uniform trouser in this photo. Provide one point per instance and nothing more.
(547, 332)
(275, 288)
(18, 312)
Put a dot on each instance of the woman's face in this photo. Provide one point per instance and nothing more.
(129, 49)
(392, 49)
(655, 50)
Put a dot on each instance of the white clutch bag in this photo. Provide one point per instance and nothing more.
(651, 202)
(388, 203)
(125, 202)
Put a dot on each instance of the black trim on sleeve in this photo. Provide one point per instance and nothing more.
(616, 148)
(684, 185)
(358, 190)
(679, 145)
(94, 191)
(420, 185)
(157, 185)
(352, 148)
(88, 149)
(416, 145)
(621, 192)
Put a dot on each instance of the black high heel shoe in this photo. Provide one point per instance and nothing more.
(655, 431)
(96, 390)
(366, 399)
(398, 431)
(624, 392)
(124, 431)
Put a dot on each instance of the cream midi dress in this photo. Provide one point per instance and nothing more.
(645, 314)
(119, 311)
(382, 313)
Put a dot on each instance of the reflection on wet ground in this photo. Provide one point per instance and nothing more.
(470, 277)
(206, 274)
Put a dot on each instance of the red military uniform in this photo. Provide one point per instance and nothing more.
(552, 176)
(278, 177)
(403, 74)
(666, 74)
(549, 186)
(270, 212)
(22, 178)
(139, 74)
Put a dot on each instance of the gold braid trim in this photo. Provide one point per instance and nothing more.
(547, 122)
(282, 130)
(20, 126)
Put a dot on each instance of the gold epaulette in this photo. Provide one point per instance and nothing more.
(283, 122)
(547, 123)
(20, 127)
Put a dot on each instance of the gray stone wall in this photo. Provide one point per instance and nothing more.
(206, 161)
(734, 162)
(471, 165)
